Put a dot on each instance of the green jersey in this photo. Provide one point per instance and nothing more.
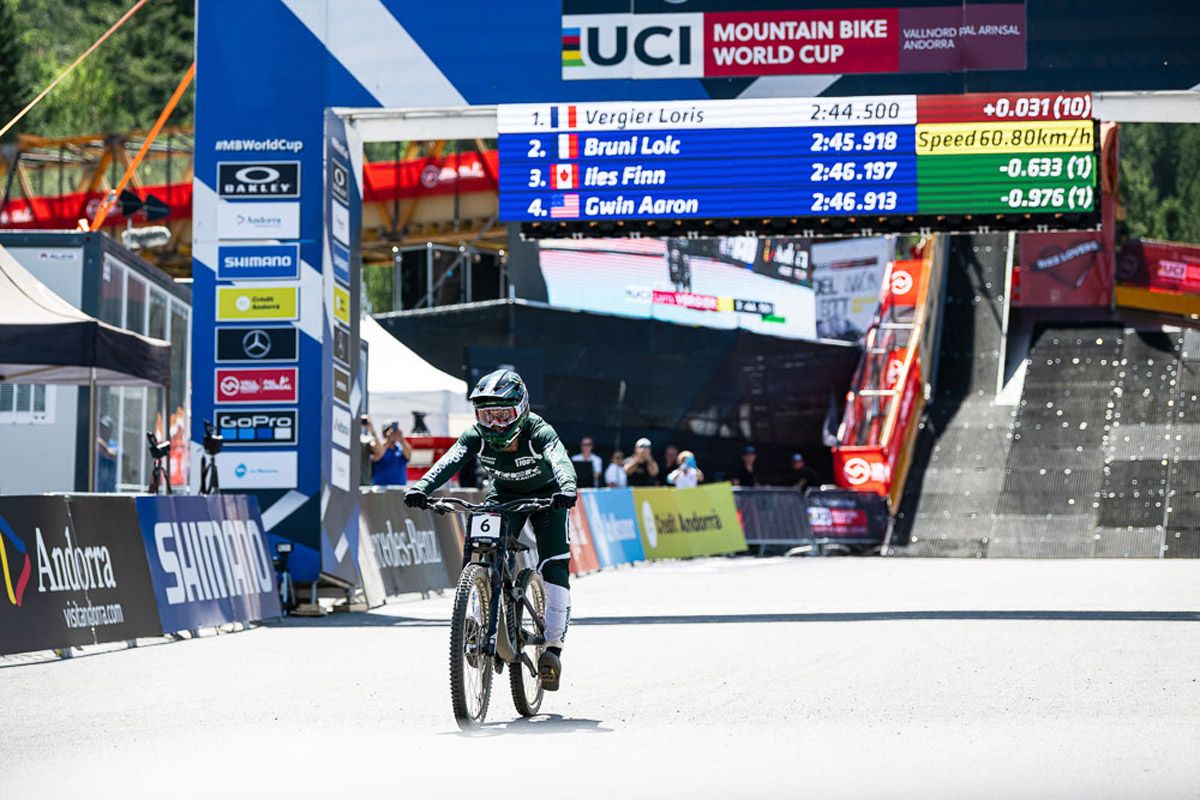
(539, 466)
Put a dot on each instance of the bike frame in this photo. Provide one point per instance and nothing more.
(499, 557)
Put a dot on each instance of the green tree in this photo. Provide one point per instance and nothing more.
(13, 69)
(1160, 180)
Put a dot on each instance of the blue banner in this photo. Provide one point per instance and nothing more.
(208, 560)
(612, 521)
(258, 262)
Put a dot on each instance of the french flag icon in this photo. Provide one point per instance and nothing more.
(563, 117)
(568, 145)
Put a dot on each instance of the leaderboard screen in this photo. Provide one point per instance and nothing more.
(810, 166)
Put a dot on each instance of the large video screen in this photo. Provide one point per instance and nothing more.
(788, 287)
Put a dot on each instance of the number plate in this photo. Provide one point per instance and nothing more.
(485, 526)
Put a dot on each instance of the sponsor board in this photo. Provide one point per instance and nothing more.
(257, 427)
(258, 262)
(341, 344)
(242, 303)
(339, 468)
(339, 219)
(208, 560)
(612, 523)
(258, 220)
(341, 386)
(341, 304)
(411, 552)
(256, 180)
(339, 181)
(342, 429)
(341, 262)
(265, 385)
(71, 578)
(680, 523)
(257, 344)
(743, 39)
(242, 469)
(583, 552)
(860, 517)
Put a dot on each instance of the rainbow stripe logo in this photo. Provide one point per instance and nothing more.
(9, 541)
(572, 56)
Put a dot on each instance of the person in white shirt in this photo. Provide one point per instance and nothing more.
(687, 475)
(614, 475)
(586, 456)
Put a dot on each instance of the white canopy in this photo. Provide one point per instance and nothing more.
(400, 382)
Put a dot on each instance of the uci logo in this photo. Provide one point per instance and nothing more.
(12, 554)
(664, 44)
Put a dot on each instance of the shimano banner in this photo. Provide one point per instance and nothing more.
(208, 560)
(68, 584)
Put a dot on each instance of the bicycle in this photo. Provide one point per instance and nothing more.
(498, 618)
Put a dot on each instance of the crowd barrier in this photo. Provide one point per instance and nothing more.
(786, 517)
(87, 569)
(416, 550)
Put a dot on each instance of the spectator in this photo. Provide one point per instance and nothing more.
(670, 460)
(588, 465)
(641, 468)
(391, 456)
(106, 455)
(804, 475)
(366, 444)
(614, 476)
(687, 475)
(745, 475)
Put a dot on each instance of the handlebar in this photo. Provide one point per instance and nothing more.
(443, 505)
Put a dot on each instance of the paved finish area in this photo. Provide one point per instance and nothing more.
(714, 678)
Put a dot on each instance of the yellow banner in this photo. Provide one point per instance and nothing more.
(257, 302)
(680, 523)
(341, 304)
(973, 138)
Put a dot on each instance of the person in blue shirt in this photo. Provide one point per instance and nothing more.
(389, 461)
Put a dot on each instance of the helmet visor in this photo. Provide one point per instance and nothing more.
(496, 418)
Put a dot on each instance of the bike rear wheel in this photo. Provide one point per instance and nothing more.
(470, 667)
(527, 691)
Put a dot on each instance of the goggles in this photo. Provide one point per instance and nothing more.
(496, 418)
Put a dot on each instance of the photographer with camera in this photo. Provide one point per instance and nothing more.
(390, 455)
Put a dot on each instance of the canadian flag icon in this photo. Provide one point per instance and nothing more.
(564, 176)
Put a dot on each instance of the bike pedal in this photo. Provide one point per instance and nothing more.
(499, 666)
(549, 671)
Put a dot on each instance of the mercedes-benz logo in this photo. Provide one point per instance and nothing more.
(256, 344)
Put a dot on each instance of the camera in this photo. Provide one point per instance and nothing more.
(213, 441)
(158, 450)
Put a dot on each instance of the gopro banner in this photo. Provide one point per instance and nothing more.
(72, 574)
(208, 560)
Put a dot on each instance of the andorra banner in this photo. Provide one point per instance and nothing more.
(682, 523)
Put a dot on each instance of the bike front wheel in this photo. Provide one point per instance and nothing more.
(527, 691)
(470, 666)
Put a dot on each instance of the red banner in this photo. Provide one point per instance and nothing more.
(1063, 269)
(1004, 107)
(583, 552)
(266, 385)
(1160, 266)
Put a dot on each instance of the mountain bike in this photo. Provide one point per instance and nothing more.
(499, 613)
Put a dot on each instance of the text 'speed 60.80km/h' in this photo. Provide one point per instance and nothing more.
(994, 161)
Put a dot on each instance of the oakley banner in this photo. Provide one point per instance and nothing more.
(71, 584)
(208, 560)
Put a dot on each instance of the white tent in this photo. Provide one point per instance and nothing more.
(400, 382)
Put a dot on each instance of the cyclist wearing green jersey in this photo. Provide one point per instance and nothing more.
(525, 459)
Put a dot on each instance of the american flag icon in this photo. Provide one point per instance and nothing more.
(564, 206)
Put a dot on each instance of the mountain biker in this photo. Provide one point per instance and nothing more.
(525, 459)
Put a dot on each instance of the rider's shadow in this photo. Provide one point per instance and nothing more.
(541, 724)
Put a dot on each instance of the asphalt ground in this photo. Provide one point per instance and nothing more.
(710, 678)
